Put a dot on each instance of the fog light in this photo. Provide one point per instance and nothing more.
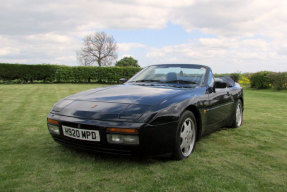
(123, 139)
(115, 139)
(54, 129)
(131, 139)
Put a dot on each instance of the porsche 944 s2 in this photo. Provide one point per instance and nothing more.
(163, 109)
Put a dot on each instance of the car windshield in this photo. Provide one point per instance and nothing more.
(171, 74)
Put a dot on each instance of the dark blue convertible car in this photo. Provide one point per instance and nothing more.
(163, 109)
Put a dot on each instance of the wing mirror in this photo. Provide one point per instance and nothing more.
(220, 84)
(123, 80)
(210, 89)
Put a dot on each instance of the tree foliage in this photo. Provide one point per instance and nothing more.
(99, 48)
(127, 62)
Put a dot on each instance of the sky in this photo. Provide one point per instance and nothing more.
(227, 35)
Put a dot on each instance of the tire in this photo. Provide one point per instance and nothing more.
(238, 115)
(186, 135)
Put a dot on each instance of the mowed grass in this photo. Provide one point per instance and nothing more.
(250, 158)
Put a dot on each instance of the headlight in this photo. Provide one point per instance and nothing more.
(123, 139)
(53, 126)
(54, 129)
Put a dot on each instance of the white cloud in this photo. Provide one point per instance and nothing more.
(49, 37)
(8, 50)
(39, 48)
(232, 17)
(125, 47)
(224, 55)
(164, 3)
(245, 35)
(29, 17)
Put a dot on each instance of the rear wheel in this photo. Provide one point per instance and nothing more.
(185, 136)
(238, 116)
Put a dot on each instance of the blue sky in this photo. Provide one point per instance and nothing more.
(171, 34)
(227, 35)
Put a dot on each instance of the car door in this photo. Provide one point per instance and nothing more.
(220, 103)
(219, 106)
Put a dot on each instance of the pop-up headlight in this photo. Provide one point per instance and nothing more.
(61, 104)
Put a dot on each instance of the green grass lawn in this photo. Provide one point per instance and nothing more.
(250, 158)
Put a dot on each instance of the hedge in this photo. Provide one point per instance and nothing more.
(278, 80)
(25, 73)
(260, 80)
(267, 79)
(20, 73)
(64, 74)
(245, 79)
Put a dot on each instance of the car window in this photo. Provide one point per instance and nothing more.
(210, 81)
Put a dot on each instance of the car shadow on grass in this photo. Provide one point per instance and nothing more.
(116, 158)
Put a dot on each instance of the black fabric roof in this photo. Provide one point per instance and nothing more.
(228, 80)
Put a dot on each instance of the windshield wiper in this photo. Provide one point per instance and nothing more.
(181, 81)
(146, 80)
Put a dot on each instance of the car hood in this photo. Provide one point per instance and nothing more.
(131, 94)
(114, 102)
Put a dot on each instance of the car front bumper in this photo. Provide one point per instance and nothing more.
(153, 139)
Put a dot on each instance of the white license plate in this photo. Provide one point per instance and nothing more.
(82, 134)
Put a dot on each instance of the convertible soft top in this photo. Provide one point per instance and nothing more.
(228, 80)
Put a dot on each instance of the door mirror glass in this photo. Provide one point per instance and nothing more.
(210, 89)
(220, 85)
(123, 80)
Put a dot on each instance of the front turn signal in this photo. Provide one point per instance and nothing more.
(123, 130)
(52, 121)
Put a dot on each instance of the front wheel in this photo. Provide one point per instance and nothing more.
(238, 116)
(185, 136)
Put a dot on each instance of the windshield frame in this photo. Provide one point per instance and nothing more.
(192, 66)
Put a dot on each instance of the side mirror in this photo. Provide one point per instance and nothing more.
(220, 85)
(210, 89)
(123, 80)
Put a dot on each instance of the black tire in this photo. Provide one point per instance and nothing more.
(185, 138)
(237, 118)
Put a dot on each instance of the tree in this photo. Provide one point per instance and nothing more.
(98, 48)
(127, 62)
